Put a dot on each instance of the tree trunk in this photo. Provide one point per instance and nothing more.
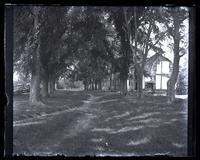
(115, 84)
(111, 84)
(54, 84)
(44, 91)
(173, 79)
(95, 85)
(139, 84)
(100, 86)
(123, 86)
(51, 85)
(85, 85)
(92, 85)
(170, 92)
(49, 88)
(34, 97)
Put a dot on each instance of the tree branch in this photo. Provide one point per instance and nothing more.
(130, 40)
(147, 39)
(130, 19)
(170, 30)
(31, 12)
(157, 40)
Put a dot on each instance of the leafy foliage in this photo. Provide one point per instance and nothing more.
(90, 43)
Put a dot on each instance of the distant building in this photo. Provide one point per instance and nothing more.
(157, 72)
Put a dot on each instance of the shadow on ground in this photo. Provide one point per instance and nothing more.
(77, 123)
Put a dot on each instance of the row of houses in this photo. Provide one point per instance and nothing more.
(157, 72)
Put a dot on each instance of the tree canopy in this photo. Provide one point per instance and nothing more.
(91, 43)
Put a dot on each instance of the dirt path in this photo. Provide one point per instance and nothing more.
(44, 117)
(57, 131)
(84, 122)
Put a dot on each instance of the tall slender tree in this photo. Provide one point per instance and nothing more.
(174, 23)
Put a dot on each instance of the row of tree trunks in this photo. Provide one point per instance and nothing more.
(48, 87)
(93, 85)
(114, 83)
(48, 84)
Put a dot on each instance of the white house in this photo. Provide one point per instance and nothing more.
(157, 72)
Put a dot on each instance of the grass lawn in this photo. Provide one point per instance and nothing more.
(61, 100)
(100, 123)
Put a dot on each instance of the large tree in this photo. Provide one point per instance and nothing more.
(174, 23)
(39, 48)
(34, 97)
(122, 61)
(141, 26)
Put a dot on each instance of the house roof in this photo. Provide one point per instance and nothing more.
(153, 58)
(150, 63)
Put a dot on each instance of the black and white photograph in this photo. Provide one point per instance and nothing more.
(100, 80)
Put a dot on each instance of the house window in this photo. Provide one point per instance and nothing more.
(158, 82)
(161, 82)
(164, 82)
(158, 69)
(165, 67)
